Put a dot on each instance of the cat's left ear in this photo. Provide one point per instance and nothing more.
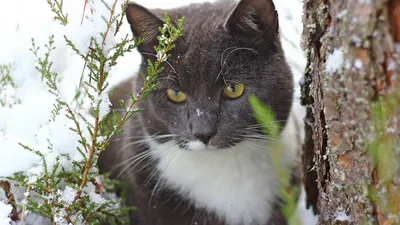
(255, 16)
(144, 24)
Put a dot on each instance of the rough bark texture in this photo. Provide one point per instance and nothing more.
(362, 37)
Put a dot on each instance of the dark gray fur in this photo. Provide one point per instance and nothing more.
(217, 48)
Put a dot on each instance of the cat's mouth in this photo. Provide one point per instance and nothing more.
(197, 145)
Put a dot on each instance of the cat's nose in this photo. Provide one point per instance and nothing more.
(205, 136)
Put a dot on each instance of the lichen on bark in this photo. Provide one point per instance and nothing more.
(353, 62)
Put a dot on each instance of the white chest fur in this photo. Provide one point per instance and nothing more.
(239, 184)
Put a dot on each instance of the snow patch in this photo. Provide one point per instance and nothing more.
(334, 61)
(67, 195)
(104, 103)
(199, 112)
(358, 64)
(5, 210)
(342, 216)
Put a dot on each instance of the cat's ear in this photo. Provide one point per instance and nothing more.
(144, 24)
(254, 15)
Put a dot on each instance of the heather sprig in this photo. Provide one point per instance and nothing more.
(64, 190)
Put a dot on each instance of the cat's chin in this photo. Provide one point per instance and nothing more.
(198, 146)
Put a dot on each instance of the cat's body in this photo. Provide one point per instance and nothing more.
(204, 160)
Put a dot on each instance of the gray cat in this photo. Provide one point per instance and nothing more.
(195, 154)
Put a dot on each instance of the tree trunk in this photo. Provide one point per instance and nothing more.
(351, 152)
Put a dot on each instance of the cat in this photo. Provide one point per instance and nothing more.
(195, 154)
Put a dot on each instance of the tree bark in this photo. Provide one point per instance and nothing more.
(351, 77)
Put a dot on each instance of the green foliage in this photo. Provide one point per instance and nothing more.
(6, 83)
(57, 7)
(47, 191)
(385, 154)
(266, 117)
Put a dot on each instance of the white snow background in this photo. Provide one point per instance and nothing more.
(28, 122)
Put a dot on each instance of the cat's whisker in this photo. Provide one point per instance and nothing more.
(127, 162)
(140, 109)
(254, 125)
(139, 159)
(169, 77)
(151, 152)
(222, 62)
(160, 97)
(147, 138)
(260, 139)
(170, 160)
(156, 136)
(235, 150)
(154, 191)
(264, 146)
(223, 53)
(123, 162)
(255, 135)
(231, 81)
(152, 174)
(226, 58)
(144, 157)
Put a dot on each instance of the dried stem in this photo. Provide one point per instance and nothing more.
(84, 9)
(119, 23)
(109, 22)
(6, 186)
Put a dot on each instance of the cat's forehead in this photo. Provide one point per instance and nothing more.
(209, 53)
(215, 59)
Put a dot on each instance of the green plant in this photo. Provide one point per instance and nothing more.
(66, 190)
(266, 117)
(7, 83)
(384, 151)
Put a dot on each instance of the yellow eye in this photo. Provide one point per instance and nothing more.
(176, 96)
(234, 90)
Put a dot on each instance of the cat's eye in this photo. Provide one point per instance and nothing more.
(175, 95)
(233, 90)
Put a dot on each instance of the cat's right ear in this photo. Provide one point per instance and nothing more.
(144, 24)
(254, 16)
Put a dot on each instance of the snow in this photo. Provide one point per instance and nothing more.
(28, 122)
(306, 215)
(67, 195)
(342, 216)
(199, 112)
(358, 64)
(334, 61)
(104, 103)
(5, 210)
(342, 14)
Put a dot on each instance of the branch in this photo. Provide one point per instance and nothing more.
(5, 185)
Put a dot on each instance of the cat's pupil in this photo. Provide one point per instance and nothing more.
(176, 92)
(232, 88)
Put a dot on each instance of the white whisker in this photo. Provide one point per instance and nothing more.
(223, 61)
(138, 160)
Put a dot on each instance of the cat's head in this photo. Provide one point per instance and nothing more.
(229, 51)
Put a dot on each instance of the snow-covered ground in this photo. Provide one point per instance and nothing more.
(28, 122)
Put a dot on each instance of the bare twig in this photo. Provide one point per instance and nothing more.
(99, 187)
(109, 22)
(84, 9)
(6, 186)
(119, 22)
